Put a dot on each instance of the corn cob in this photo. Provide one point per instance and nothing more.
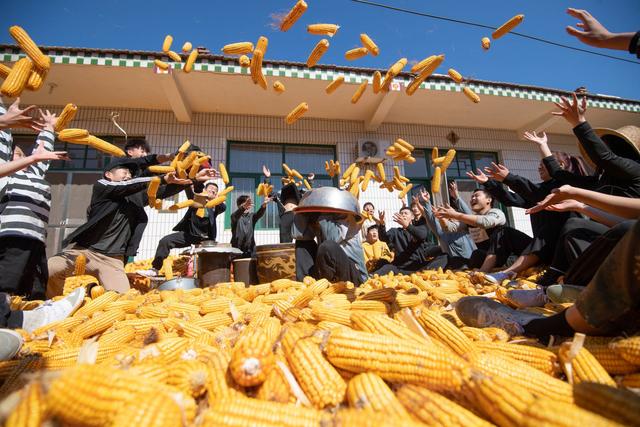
(36, 79)
(456, 76)
(475, 334)
(331, 87)
(618, 405)
(104, 146)
(153, 410)
(4, 71)
(358, 93)
(189, 376)
(293, 15)
(383, 325)
(184, 204)
(96, 291)
(630, 381)
(161, 64)
(129, 306)
(317, 52)
(31, 409)
(369, 392)
(445, 332)
(366, 305)
(118, 336)
(486, 43)
(241, 48)
(17, 377)
(256, 69)
(97, 304)
(262, 45)
(278, 87)
(73, 135)
(471, 94)
(244, 61)
(377, 82)
(448, 159)
(417, 68)
(214, 320)
(392, 72)
(580, 366)
(507, 26)
(276, 387)
(629, 349)
(404, 191)
(425, 72)
(186, 47)
(434, 409)
(166, 44)
(320, 381)
(323, 29)
(183, 149)
(17, 79)
(98, 324)
(252, 358)
(369, 44)
(296, 113)
(435, 181)
(396, 360)
(544, 412)
(357, 53)
(497, 334)
(174, 56)
(66, 116)
(29, 47)
(191, 60)
(538, 358)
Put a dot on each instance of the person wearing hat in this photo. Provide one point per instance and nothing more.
(112, 220)
(191, 230)
(25, 201)
(327, 224)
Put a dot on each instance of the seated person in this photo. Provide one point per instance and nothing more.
(376, 252)
(369, 209)
(243, 223)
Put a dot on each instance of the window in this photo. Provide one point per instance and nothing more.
(245, 161)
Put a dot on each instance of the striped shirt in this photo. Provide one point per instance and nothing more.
(25, 196)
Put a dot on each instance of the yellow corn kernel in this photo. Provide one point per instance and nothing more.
(297, 113)
(241, 48)
(186, 47)
(223, 173)
(36, 79)
(629, 349)
(507, 26)
(538, 358)
(65, 117)
(262, 45)
(96, 291)
(17, 79)
(582, 366)
(174, 56)
(456, 76)
(294, 14)
(161, 64)
(317, 52)
(358, 94)
(151, 410)
(471, 94)
(252, 358)
(369, 44)
(357, 53)
(104, 146)
(278, 87)
(191, 60)
(31, 408)
(323, 29)
(369, 392)
(256, 69)
(331, 87)
(166, 44)
(435, 181)
(486, 43)
(244, 61)
(40, 60)
(4, 71)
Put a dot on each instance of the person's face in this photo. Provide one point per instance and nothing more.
(416, 211)
(137, 152)
(119, 174)
(212, 191)
(480, 202)
(17, 153)
(406, 214)
(544, 173)
(369, 209)
(372, 236)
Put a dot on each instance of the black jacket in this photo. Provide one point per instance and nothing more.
(107, 197)
(620, 176)
(184, 224)
(410, 245)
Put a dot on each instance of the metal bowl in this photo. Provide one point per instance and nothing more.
(178, 283)
(331, 200)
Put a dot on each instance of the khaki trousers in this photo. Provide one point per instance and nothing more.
(109, 270)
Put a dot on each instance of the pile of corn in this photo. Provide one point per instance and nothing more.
(310, 353)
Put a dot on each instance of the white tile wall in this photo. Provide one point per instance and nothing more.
(211, 131)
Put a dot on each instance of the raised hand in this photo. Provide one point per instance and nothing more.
(206, 174)
(18, 118)
(572, 111)
(424, 195)
(41, 154)
(266, 201)
(266, 171)
(248, 204)
(453, 189)
(380, 219)
(446, 211)
(480, 178)
(48, 119)
(404, 222)
(557, 195)
(533, 137)
(171, 178)
(593, 32)
(497, 172)
(568, 205)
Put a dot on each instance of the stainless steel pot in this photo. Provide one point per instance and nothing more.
(178, 283)
(331, 200)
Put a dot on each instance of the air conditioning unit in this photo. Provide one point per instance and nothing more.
(371, 150)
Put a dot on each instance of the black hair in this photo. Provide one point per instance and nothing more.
(406, 208)
(373, 227)
(368, 204)
(241, 200)
(486, 193)
(211, 183)
(135, 143)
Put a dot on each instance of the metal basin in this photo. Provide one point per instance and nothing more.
(330, 200)
(178, 283)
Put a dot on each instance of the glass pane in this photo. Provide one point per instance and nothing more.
(308, 159)
(460, 167)
(271, 218)
(249, 158)
(77, 154)
(419, 168)
(57, 181)
(483, 159)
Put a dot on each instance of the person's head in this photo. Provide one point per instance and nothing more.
(369, 208)
(136, 148)
(481, 201)
(18, 153)
(406, 213)
(372, 234)
(211, 188)
(118, 173)
(415, 210)
(241, 200)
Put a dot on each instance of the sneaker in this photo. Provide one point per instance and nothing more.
(152, 272)
(53, 311)
(497, 278)
(561, 294)
(10, 344)
(523, 298)
(481, 312)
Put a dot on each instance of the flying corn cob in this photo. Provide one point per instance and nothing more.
(486, 43)
(104, 146)
(186, 47)
(17, 79)
(456, 76)
(392, 72)
(448, 159)
(174, 56)
(36, 79)
(369, 44)
(244, 61)
(262, 45)
(223, 173)
(240, 48)
(367, 178)
(358, 93)
(73, 135)
(317, 52)
(40, 60)
(161, 64)
(435, 182)
(323, 29)
(166, 44)
(404, 191)
(471, 94)
(428, 69)
(381, 173)
(507, 26)
(377, 81)
(65, 117)
(256, 69)
(278, 87)
(417, 68)
(184, 147)
(152, 190)
(434, 153)
(294, 14)
(331, 87)
(167, 264)
(161, 169)
(181, 205)
(297, 113)
(215, 202)
(357, 53)
(81, 264)
(191, 60)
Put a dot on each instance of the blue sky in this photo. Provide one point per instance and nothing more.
(132, 24)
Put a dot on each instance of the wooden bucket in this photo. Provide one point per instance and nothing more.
(245, 270)
(277, 261)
